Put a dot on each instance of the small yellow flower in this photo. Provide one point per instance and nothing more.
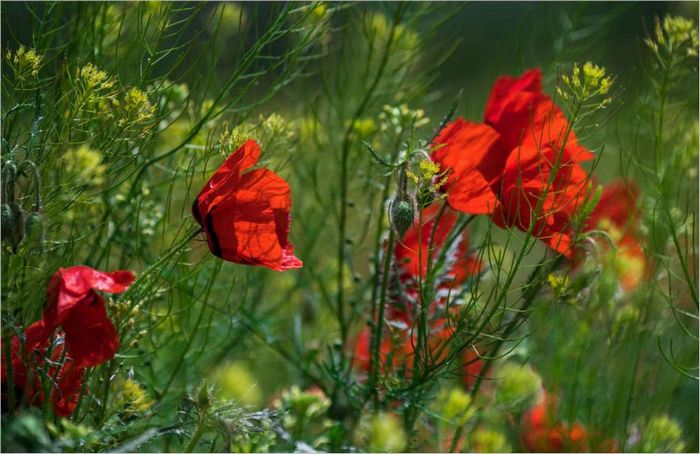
(674, 35)
(559, 283)
(364, 128)
(135, 398)
(25, 62)
(95, 79)
(454, 406)
(585, 83)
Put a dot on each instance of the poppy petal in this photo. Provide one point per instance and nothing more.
(91, 338)
(524, 115)
(468, 152)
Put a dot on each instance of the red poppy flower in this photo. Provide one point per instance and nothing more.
(74, 305)
(66, 377)
(502, 166)
(617, 214)
(531, 194)
(246, 216)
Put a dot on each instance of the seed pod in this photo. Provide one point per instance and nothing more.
(7, 221)
(401, 215)
(204, 397)
(16, 235)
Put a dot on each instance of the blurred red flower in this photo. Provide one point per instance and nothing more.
(617, 214)
(541, 433)
(412, 255)
(246, 216)
(472, 366)
(502, 166)
(398, 348)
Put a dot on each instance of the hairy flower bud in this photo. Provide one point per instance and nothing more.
(204, 397)
(401, 215)
(14, 234)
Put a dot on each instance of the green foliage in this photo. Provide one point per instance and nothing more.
(115, 114)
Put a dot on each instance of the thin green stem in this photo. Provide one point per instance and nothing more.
(197, 435)
(344, 161)
(379, 322)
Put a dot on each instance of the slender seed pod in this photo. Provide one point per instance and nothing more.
(401, 211)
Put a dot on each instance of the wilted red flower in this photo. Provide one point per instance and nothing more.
(617, 214)
(246, 216)
(66, 376)
(89, 338)
(502, 166)
(74, 305)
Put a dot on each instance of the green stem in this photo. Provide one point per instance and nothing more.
(532, 288)
(379, 324)
(197, 435)
(10, 376)
(344, 159)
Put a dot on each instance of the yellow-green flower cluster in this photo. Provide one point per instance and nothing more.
(134, 397)
(235, 382)
(428, 180)
(363, 128)
(233, 18)
(93, 78)
(310, 130)
(135, 108)
(86, 165)
(454, 406)
(25, 63)
(231, 139)
(674, 35)
(517, 386)
(306, 404)
(585, 83)
(379, 28)
(661, 434)
(559, 283)
(381, 432)
(304, 414)
(400, 117)
(487, 440)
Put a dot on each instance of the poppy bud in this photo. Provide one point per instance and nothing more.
(401, 215)
(14, 234)
(204, 397)
(6, 221)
